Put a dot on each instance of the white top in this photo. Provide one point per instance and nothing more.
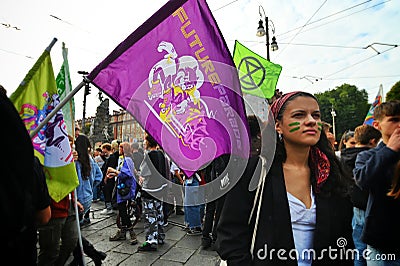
(303, 226)
(173, 167)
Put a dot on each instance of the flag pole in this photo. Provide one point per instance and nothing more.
(78, 227)
(56, 109)
(51, 44)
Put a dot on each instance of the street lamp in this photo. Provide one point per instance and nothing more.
(87, 92)
(333, 113)
(261, 31)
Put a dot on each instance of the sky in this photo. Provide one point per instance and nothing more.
(322, 43)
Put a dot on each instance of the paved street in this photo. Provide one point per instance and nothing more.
(179, 248)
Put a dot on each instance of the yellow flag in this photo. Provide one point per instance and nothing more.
(34, 99)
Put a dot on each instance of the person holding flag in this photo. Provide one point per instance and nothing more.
(35, 99)
(25, 202)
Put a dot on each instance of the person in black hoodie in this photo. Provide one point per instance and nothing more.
(366, 137)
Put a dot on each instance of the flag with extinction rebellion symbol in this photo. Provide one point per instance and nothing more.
(258, 76)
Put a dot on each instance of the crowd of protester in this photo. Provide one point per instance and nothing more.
(311, 197)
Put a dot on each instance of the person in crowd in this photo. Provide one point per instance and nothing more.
(301, 204)
(192, 207)
(42, 198)
(24, 194)
(346, 141)
(3, 90)
(327, 129)
(58, 238)
(137, 156)
(177, 178)
(214, 171)
(88, 173)
(213, 208)
(374, 171)
(109, 181)
(365, 137)
(153, 175)
(125, 192)
(97, 186)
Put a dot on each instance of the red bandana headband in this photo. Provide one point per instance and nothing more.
(277, 105)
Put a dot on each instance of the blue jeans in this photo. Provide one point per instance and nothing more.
(96, 191)
(375, 258)
(192, 212)
(358, 225)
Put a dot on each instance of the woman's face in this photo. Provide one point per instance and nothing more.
(301, 122)
(350, 143)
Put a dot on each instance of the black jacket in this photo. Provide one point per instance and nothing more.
(348, 157)
(234, 235)
(374, 171)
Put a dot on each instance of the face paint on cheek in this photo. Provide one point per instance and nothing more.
(319, 126)
(295, 128)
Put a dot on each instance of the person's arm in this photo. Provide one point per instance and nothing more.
(233, 231)
(43, 216)
(43, 210)
(178, 175)
(370, 166)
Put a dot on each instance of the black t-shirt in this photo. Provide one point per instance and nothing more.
(18, 229)
(41, 197)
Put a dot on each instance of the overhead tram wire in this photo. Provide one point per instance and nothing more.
(302, 27)
(11, 52)
(331, 15)
(308, 44)
(359, 62)
(225, 5)
(329, 22)
(366, 77)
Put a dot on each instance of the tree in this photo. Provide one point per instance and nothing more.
(394, 93)
(350, 105)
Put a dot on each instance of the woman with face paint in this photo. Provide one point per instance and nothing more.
(300, 213)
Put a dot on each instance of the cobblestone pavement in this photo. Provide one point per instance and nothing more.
(179, 248)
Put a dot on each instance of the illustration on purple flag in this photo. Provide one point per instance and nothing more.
(175, 75)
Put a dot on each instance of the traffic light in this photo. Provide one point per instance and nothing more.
(87, 90)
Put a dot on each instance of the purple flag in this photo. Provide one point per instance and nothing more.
(175, 75)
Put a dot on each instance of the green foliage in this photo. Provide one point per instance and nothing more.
(350, 105)
(394, 93)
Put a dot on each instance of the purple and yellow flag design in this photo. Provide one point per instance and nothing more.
(34, 99)
(175, 75)
(378, 100)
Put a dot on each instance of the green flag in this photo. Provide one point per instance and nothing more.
(34, 99)
(64, 87)
(257, 75)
